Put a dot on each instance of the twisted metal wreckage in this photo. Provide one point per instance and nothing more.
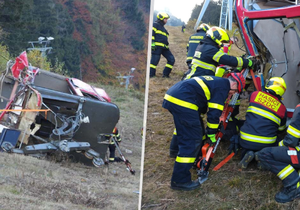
(43, 112)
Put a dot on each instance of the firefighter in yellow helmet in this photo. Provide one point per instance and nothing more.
(194, 42)
(265, 119)
(160, 45)
(209, 54)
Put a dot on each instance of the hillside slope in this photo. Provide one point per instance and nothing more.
(227, 188)
(29, 183)
(91, 40)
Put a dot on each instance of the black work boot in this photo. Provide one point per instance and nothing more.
(288, 194)
(249, 156)
(152, 73)
(191, 185)
(118, 159)
(166, 76)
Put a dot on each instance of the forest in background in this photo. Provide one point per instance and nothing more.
(174, 21)
(93, 40)
(211, 17)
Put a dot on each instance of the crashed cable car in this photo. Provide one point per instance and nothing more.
(43, 112)
(270, 34)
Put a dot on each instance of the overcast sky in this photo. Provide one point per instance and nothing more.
(181, 9)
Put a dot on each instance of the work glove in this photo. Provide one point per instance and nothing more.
(234, 144)
(153, 47)
(212, 139)
(239, 68)
(250, 63)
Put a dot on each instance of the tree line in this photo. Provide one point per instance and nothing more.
(86, 34)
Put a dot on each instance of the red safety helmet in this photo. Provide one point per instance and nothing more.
(240, 81)
(115, 130)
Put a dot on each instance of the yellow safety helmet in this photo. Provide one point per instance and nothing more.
(218, 34)
(204, 27)
(277, 85)
(162, 15)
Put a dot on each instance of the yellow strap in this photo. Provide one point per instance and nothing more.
(181, 102)
(169, 66)
(215, 106)
(197, 37)
(204, 65)
(218, 55)
(265, 114)
(285, 172)
(257, 139)
(185, 159)
(204, 87)
(152, 66)
(240, 62)
(160, 44)
(212, 126)
(194, 41)
(281, 143)
(161, 32)
(293, 131)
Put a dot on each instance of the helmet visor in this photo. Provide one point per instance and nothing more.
(270, 83)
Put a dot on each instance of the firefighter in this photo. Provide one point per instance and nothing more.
(112, 146)
(284, 160)
(183, 28)
(209, 54)
(265, 119)
(160, 45)
(184, 100)
(194, 41)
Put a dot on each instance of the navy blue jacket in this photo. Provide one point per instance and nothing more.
(265, 117)
(198, 93)
(194, 41)
(209, 55)
(293, 131)
(159, 33)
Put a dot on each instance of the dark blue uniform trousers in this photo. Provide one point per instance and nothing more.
(189, 136)
(275, 159)
(155, 57)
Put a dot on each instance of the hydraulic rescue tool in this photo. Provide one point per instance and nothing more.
(217, 167)
(208, 151)
(127, 163)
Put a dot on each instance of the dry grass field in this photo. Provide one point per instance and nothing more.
(29, 183)
(228, 188)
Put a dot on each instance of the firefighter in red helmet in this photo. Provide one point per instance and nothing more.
(184, 100)
(112, 146)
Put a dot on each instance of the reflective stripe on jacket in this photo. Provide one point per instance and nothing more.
(293, 131)
(194, 41)
(199, 93)
(209, 55)
(265, 117)
(159, 33)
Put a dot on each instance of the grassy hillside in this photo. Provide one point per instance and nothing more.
(228, 188)
(30, 183)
